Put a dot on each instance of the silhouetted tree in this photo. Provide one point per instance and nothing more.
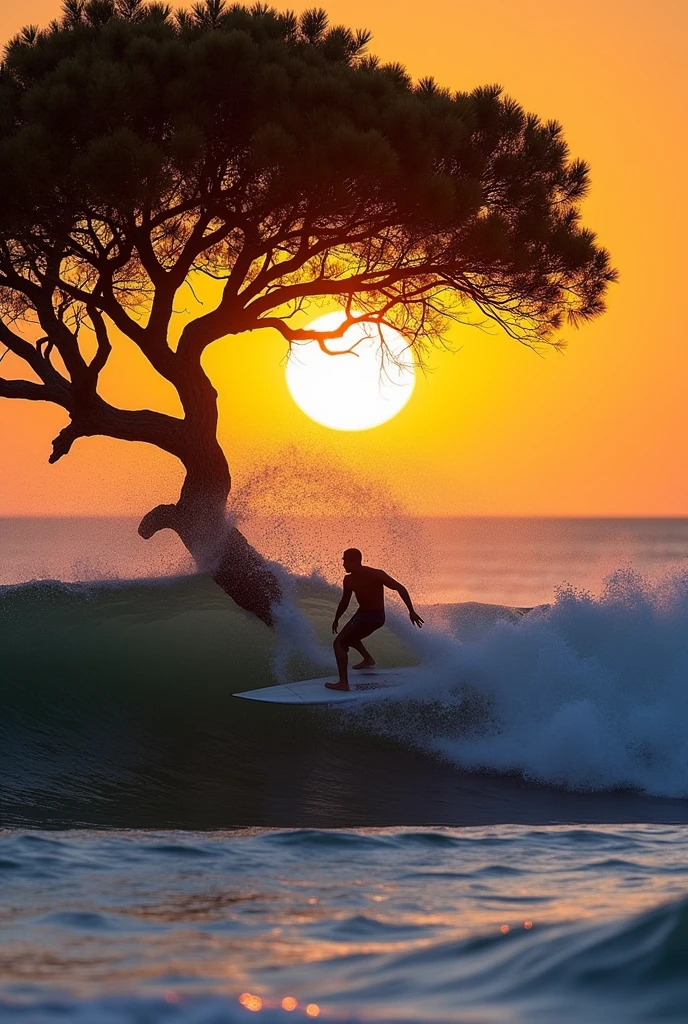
(139, 147)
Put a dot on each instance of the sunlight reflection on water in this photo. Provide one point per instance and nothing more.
(271, 917)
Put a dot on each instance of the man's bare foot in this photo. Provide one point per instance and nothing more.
(366, 663)
(337, 686)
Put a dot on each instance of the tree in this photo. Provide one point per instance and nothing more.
(141, 147)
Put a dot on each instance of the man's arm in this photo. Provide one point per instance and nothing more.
(342, 606)
(403, 593)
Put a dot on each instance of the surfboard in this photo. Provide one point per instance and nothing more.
(313, 691)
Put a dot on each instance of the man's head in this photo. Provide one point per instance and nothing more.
(352, 559)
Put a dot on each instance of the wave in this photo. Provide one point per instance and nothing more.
(631, 969)
(116, 708)
(116, 705)
(590, 693)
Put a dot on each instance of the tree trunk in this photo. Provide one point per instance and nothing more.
(249, 580)
(200, 519)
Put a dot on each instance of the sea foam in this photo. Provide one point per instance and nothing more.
(590, 693)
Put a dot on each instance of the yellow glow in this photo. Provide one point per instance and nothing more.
(493, 429)
(313, 1010)
(357, 389)
(251, 1002)
(289, 1003)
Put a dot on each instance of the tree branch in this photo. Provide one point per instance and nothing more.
(368, 281)
(145, 425)
(32, 356)
(103, 341)
(32, 392)
(295, 335)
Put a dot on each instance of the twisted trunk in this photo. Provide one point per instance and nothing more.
(199, 518)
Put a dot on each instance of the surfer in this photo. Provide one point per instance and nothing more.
(368, 585)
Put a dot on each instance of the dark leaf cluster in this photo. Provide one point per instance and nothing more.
(139, 145)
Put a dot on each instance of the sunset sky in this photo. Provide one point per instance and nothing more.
(493, 428)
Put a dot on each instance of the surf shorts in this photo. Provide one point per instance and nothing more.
(362, 624)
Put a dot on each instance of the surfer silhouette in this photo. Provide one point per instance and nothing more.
(368, 586)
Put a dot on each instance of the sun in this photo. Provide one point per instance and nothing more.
(356, 390)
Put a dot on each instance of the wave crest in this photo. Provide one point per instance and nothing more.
(590, 693)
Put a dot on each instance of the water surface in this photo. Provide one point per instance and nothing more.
(505, 923)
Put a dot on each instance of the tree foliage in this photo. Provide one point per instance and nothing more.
(139, 145)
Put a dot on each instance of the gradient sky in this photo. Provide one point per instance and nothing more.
(493, 429)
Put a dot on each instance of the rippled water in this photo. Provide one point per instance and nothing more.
(507, 923)
(116, 712)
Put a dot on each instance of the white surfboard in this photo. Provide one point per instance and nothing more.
(313, 691)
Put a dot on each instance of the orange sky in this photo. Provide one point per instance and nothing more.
(492, 429)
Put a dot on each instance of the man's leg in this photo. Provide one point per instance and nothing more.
(351, 636)
(341, 653)
(368, 659)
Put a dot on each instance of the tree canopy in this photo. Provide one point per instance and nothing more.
(270, 150)
(140, 146)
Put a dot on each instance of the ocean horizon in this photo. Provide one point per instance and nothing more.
(493, 559)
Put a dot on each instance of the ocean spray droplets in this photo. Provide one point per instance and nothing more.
(302, 511)
(305, 509)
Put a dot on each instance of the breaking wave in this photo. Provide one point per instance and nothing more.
(590, 693)
(120, 693)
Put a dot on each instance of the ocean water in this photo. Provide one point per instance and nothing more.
(504, 561)
(502, 840)
(417, 925)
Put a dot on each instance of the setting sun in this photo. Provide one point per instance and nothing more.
(365, 385)
(343, 511)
